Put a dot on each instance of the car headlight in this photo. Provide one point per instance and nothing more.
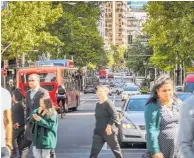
(127, 124)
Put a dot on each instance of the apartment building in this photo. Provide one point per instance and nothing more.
(114, 23)
(135, 19)
(101, 28)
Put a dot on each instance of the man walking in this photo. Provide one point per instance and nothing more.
(6, 124)
(186, 131)
(33, 97)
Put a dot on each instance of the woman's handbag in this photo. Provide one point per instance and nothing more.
(147, 155)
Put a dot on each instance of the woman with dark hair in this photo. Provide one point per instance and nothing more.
(44, 124)
(162, 120)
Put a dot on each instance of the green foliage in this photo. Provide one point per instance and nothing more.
(110, 59)
(118, 56)
(137, 63)
(24, 27)
(170, 27)
(77, 29)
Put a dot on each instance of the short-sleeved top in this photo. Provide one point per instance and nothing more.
(5, 105)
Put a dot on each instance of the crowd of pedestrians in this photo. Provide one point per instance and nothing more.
(34, 128)
(169, 123)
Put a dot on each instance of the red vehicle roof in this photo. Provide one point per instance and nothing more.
(189, 78)
(41, 69)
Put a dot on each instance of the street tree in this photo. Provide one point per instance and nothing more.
(170, 26)
(118, 56)
(24, 28)
(77, 30)
(138, 57)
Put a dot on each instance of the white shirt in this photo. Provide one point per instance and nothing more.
(34, 91)
(5, 105)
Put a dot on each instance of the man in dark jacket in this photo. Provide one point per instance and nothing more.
(33, 97)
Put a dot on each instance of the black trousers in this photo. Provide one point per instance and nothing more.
(61, 98)
(112, 141)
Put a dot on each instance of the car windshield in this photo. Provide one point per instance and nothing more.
(44, 77)
(136, 104)
(189, 87)
(130, 89)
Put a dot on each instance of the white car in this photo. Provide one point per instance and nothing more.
(128, 91)
(129, 84)
(116, 89)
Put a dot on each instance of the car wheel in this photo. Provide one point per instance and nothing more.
(117, 92)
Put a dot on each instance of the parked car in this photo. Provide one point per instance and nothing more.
(128, 91)
(183, 95)
(132, 128)
(89, 89)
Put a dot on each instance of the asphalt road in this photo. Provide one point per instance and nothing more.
(76, 130)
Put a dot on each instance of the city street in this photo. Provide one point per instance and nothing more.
(76, 129)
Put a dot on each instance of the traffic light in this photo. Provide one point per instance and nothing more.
(130, 39)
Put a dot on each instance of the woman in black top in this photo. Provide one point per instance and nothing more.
(18, 120)
(106, 129)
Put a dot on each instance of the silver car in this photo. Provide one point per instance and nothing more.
(132, 127)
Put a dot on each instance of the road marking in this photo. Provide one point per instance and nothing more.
(82, 102)
(105, 146)
(114, 99)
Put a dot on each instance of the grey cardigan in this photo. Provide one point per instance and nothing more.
(186, 131)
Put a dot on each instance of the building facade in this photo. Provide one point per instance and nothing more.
(114, 23)
(136, 17)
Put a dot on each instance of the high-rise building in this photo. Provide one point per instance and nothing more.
(136, 16)
(115, 21)
(101, 28)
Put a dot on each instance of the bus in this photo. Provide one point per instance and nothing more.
(59, 62)
(50, 79)
(189, 83)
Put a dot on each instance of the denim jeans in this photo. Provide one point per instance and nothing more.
(4, 153)
(41, 153)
